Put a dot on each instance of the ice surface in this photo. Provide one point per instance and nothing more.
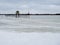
(30, 30)
(30, 23)
(13, 38)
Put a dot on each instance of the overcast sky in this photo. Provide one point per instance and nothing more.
(33, 6)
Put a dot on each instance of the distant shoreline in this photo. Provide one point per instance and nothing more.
(30, 14)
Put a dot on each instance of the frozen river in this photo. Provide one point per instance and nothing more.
(30, 23)
(30, 30)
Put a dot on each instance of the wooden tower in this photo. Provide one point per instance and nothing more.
(17, 13)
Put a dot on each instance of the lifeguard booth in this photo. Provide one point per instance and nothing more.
(17, 13)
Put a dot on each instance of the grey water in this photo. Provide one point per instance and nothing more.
(32, 23)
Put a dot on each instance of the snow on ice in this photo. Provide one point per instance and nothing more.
(33, 30)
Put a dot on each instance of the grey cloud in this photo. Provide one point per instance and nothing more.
(33, 5)
(47, 2)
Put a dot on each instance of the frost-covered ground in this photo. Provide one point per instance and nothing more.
(30, 30)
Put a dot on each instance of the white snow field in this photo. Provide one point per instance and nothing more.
(30, 30)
